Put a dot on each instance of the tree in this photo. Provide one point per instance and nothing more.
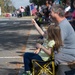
(8, 6)
(38, 2)
(2, 5)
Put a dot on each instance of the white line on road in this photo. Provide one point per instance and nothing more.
(3, 23)
(10, 57)
(16, 23)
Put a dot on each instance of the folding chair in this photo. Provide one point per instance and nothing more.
(44, 67)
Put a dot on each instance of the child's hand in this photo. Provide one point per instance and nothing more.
(38, 45)
(33, 21)
(37, 51)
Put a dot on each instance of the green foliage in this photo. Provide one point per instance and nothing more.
(6, 6)
(2, 5)
(41, 2)
(38, 2)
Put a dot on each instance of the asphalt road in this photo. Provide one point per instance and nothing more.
(13, 38)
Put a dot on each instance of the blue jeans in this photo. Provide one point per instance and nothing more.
(28, 60)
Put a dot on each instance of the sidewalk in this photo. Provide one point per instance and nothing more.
(30, 47)
(16, 18)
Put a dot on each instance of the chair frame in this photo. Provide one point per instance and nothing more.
(44, 67)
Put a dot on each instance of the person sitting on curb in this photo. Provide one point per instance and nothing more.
(52, 39)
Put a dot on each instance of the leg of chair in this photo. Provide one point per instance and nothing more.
(46, 68)
(43, 69)
(53, 67)
(33, 70)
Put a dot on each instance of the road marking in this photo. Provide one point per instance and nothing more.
(11, 57)
(16, 23)
(27, 22)
(3, 23)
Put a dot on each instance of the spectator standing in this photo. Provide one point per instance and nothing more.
(27, 11)
(40, 9)
(22, 11)
(18, 12)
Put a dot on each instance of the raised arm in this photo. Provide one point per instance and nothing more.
(37, 27)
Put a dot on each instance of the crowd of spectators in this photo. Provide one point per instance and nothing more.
(21, 12)
(44, 13)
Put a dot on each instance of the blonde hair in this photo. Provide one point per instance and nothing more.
(54, 33)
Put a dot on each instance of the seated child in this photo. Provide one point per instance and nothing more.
(52, 38)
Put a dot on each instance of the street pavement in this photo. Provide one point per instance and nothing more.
(23, 35)
(30, 46)
(13, 43)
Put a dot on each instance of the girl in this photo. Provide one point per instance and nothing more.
(52, 37)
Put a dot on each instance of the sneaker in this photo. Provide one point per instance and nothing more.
(28, 73)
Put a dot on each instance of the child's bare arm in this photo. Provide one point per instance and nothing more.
(37, 51)
(48, 51)
(49, 45)
(37, 27)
